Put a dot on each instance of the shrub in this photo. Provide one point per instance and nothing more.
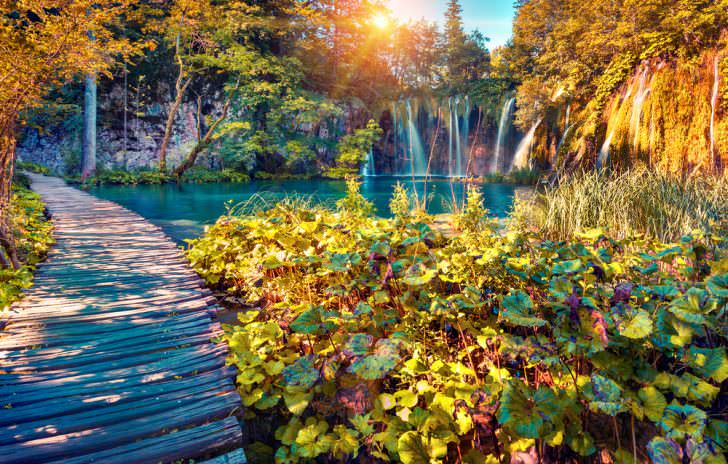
(32, 234)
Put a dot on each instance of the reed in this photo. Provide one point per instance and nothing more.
(641, 201)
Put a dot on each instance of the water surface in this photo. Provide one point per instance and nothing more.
(183, 210)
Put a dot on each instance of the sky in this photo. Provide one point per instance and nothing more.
(492, 17)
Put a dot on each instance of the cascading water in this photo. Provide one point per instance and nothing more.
(450, 139)
(520, 160)
(416, 149)
(395, 134)
(503, 126)
(639, 101)
(568, 115)
(368, 169)
(466, 137)
(458, 144)
(713, 107)
(603, 155)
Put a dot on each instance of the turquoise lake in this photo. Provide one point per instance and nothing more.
(183, 210)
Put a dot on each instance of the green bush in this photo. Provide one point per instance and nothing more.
(32, 234)
(381, 340)
(32, 167)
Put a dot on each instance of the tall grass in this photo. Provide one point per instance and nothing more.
(645, 202)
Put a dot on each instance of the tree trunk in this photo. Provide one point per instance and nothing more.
(7, 160)
(180, 93)
(89, 128)
(205, 141)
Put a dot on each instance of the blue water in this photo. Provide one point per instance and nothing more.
(183, 210)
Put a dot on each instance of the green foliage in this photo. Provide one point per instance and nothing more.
(193, 176)
(383, 339)
(32, 167)
(32, 234)
(353, 150)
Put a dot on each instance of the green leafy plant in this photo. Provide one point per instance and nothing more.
(382, 339)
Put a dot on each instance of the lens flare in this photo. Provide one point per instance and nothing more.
(381, 21)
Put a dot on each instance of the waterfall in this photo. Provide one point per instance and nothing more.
(603, 155)
(466, 136)
(417, 152)
(368, 169)
(520, 160)
(458, 144)
(503, 126)
(395, 134)
(639, 100)
(450, 140)
(713, 108)
(604, 151)
(568, 115)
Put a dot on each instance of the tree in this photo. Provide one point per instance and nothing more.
(88, 163)
(45, 44)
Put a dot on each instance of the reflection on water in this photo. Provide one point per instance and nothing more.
(183, 210)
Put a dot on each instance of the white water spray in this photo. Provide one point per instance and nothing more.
(450, 141)
(639, 101)
(523, 153)
(466, 136)
(713, 108)
(417, 152)
(503, 126)
(458, 144)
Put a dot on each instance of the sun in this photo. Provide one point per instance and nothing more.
(381, 21)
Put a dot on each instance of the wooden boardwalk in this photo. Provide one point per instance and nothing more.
(109, 358)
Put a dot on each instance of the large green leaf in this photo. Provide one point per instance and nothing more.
(653, 401)
(525, 411)
(639, 325)
(301, 374)
(606, 396)
(680, 421)
(517, 309)
(691, 307)
(379, 363)
(664, 451)
(718, 285)
(567, 267)
(418, 274)
(312, 321)
(709, 362)
(412, 449)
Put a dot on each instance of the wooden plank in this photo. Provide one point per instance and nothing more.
(111, 414)
(20, 365)
(62, 342)
(125, 371)
(62, 446)
(234, 457)
(49, 408)
(184, 444)
(76, 335)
